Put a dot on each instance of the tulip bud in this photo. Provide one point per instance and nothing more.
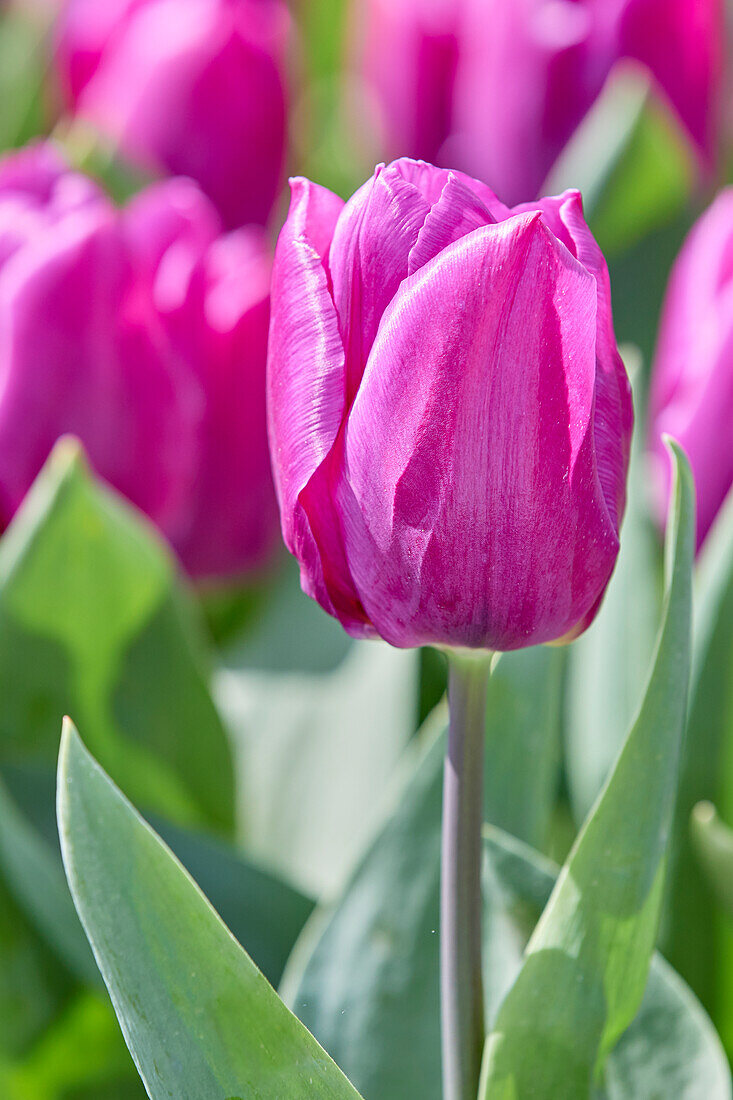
(692, 379)
(186, 87)
(499, 88)
(449, 417)
(143, 333)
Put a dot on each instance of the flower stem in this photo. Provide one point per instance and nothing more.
(462, 1008)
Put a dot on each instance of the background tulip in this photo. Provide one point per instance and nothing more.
(143, 333)
(186, 87)
(499, 88)
(692, 382)
(449, 417)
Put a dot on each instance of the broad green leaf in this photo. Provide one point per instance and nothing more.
(314, 753)
(201, 1021)
(264, 913)
(365, 975)
(586, 964)
(696, 942)
(671, 1048)
(608, 665)
(523, 723)
(364, 978)
(93, 623)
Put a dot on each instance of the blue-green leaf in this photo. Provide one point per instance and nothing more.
(201, 1021)
(586, 965)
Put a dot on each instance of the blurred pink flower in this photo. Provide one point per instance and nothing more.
(143, 332)
(692, 379)
(186, 87)
(449, 417)
(498, 87)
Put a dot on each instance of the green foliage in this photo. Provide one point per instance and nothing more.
(94, 623)
(586, 964)
(312, 751)
(697, 942)
(608, 665)
(26, 90)
(201, 1021)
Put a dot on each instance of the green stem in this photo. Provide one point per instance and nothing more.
(462, 1008)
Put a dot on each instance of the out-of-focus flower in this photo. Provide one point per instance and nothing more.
(449, 417)
(692, 380)
(142, 332)
(498, 88)
(212, 293)
(186, 87)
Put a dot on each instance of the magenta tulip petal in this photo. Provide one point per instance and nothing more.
(457, 477)
(692, 378)
(486, 479)
(306, 397)
(499, 88)
(369, 257)
(186, 87)
(232, 515)
(99, 373)
(143, 332)
(563, 214)
(457, 212)
(174, 213)
(681, 43)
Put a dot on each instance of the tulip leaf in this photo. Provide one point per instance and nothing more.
(670, 1049)
(364, 977)
(607, 666)
(697, 943)
(523, 723)
(264, 913)
(198, 1016)
(365, 974)
(586, 964)
(94, 623)
(308, 787)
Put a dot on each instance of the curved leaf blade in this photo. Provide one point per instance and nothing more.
(587, 962)
(201, 1021)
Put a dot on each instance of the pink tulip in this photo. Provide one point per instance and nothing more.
(449, 417)
(186, 87)
(499, 87)
(143, 333)
(692, 380)
(212, 293)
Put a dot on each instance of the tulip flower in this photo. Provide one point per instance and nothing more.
(499, 88)
(450, 425)
(692, 380)
(143, 333)
(449, 416)
(185, 87)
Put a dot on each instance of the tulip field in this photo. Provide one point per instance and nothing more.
(366, 550)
